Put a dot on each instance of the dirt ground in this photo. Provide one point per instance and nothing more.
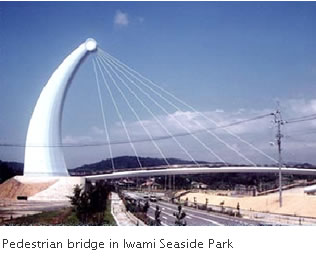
(295, 202)
(12, 188)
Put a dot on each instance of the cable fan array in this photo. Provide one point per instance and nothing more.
(133, 87)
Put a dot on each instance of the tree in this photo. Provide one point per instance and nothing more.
(90, 204)
(75, 199)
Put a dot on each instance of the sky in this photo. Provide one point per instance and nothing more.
(229, 60)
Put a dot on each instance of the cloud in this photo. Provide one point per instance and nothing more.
(300, 106)
(121, 19)
(297, 147)
(296, 108)
(96, 130)
(182, 122)
(258, 132)
(71, 139)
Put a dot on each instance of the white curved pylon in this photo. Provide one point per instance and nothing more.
(43, 156)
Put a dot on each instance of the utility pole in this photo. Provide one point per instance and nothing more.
(279, 121)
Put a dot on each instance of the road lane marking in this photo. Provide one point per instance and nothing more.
(163, 224)
(201, 218)
(208, 220)
(210, 214)
(168, 214)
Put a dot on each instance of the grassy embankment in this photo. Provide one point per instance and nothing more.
(64, 216)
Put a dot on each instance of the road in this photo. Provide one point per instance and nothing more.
(194, 217)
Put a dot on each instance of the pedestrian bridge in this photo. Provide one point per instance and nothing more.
(204, 170)
(44, 154)
(199, 170)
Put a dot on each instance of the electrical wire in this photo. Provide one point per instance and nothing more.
(302, 117)
(300, 120)
(113, 142)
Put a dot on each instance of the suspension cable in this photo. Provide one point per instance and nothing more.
(119, 114)
(166, 130)
(103, 115)
(186, 129)
(183, 103)
(201, 126)
(138, 118)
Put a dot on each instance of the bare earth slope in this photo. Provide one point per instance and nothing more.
(12, 188)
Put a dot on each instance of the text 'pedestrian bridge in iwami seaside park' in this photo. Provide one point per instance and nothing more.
(44, 155)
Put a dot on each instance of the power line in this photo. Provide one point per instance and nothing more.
(302, 117)
(140, 140)
(301, 120)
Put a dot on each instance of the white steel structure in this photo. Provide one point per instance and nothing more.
(43, 154)
(198, 170)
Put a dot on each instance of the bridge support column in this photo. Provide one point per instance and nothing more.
(43, 153)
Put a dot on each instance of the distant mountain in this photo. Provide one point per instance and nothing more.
(131, 162)
(304, 165)
(11, 169)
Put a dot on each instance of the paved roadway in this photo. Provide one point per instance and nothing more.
(194, 217)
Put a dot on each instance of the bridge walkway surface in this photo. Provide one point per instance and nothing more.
(121, 215)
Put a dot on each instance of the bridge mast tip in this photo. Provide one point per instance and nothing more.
(91, 44)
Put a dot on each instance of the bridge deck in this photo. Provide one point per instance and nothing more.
(199, 170)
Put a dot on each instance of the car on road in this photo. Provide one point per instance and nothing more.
(153, 198)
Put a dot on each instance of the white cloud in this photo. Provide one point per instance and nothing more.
(70, 139)
(300, 106)
(186, 121)
(96, 130)
(296, 148)
(313, 105)
(121, 19)
(296, 108)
